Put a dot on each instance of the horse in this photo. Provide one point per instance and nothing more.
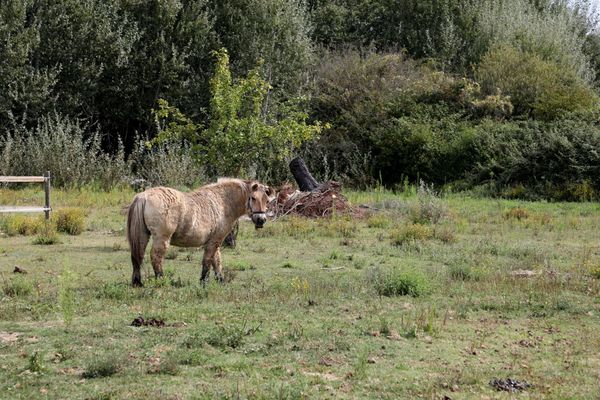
(200, 218)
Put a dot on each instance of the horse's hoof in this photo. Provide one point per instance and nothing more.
(137, 283)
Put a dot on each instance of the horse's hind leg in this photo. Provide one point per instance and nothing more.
(137, 257)
(157, 254)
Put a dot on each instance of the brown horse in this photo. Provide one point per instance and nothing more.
(200, 218)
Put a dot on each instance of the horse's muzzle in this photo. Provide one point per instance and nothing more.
(259, 220)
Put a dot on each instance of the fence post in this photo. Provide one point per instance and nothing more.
(47, 190)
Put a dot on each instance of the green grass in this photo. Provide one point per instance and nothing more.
(374, 308)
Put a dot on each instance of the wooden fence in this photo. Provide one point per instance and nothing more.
(29, 179)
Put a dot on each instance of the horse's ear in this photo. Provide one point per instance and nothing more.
(254, 187)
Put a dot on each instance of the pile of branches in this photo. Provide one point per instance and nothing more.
(324, 201)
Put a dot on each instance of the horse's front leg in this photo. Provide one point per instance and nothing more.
(157, 254)
(217, 264)
(209, 251)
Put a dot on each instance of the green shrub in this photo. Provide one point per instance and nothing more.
(22, 225)
(556, 160)
(396, 282)
(536, 86)
(70, 220)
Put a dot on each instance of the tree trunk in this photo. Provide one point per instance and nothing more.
(302, 175)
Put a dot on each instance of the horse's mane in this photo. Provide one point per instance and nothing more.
(222, 182)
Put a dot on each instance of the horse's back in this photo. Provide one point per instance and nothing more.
(163, 209)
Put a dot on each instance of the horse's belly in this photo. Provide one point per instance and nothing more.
(188, 240)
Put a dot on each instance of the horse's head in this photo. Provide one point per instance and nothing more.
(260, 196)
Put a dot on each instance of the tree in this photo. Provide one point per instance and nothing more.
(239, 134)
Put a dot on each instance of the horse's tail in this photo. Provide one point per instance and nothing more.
(137, 236)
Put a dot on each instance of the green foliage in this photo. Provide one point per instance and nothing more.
(22, 225)
(66, 147)
(543, 88)
(396, 282)
(274, 31)
(70, 220)
(239, 135)
(557, 160)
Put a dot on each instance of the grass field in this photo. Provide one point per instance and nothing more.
(424, 298)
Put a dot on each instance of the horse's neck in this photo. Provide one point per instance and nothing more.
(238, 199)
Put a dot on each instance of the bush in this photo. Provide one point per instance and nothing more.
(536, 86)
(67, 147)
(22, 225)
(557, 160)
(70, 220)
(396, 282)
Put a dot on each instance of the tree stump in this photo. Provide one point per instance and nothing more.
(305, 181)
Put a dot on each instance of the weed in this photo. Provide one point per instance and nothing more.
(116, 246)
(47, 235)
(70, 220)
(287, 265)
(102, 367)
(339, 226)
(168, 365)
(66, 297)
(395, 282)
(112, 290)
(411, 233)
(464, 272)
(380, 221)
(384, 326)
(172, 253)
(359, 367)
(36, 362)
(517, 213)
(241, 266)
(444, 234)
(595, 271)
(297, 227)
(429, 208)
(17, 287)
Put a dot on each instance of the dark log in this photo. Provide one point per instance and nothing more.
(305, 181)
(230, 239)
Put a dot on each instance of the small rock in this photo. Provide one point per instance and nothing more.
(19, 270)
(371, 360)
